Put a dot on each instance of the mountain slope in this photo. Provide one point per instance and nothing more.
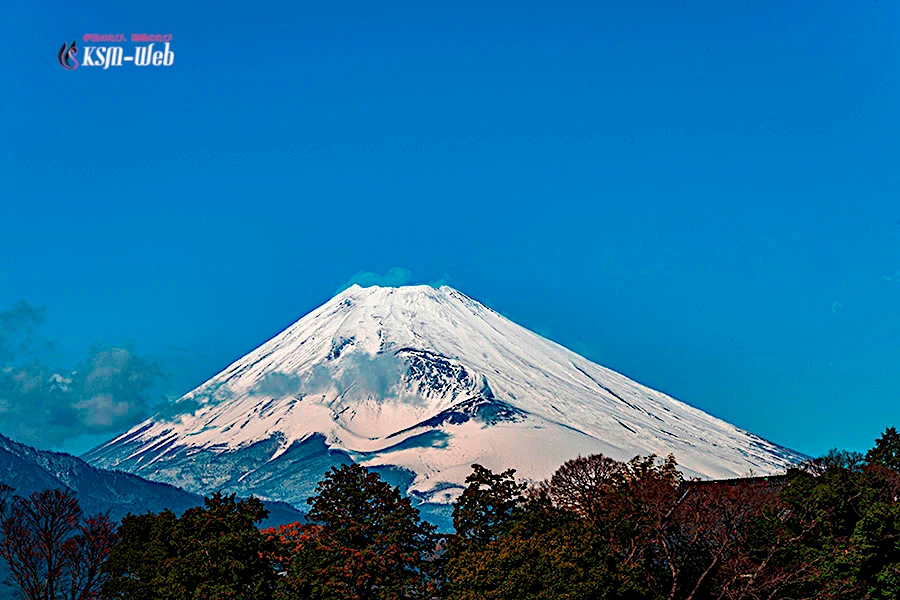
(419, 383)
(28, 470)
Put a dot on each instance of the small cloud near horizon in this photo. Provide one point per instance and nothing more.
(895, 278)
(394, 277)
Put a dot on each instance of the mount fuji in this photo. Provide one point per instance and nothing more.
(417, 383)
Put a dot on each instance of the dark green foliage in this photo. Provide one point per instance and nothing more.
(886, 451)
(210, 553)
(364, 541)
(485, 509)
(571, 562)
(531, 550)
(598, 529)
(843, 518)
(137, 566)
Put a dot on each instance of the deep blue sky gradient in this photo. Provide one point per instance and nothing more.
(702, 195)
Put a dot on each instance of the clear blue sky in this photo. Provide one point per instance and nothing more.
(702, 195)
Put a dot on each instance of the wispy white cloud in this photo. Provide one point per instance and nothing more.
(394, 277)
(895, 278)
(42, 405)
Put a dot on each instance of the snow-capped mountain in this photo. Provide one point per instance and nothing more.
(418, 383)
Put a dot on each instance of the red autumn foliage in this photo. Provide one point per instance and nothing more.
(52, 552)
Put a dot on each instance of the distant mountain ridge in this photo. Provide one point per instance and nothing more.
(27, 470)
(418, 383)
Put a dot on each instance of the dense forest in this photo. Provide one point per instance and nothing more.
(597, 529)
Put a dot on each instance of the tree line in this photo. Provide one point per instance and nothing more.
(597, 529)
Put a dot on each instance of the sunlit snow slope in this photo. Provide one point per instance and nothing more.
(421, 382)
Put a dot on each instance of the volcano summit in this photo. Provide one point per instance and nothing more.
(418, 383)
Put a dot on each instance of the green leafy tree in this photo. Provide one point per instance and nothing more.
(874, 557)
(364, 541)
(843, 510)
(537, 552)
(571, 562)
(487, 506)
(138, 567)
(209, 553)
(886, 451)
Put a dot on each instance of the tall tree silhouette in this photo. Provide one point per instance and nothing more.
(886, 451)
(52, 553)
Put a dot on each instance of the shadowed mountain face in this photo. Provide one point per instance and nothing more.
(418, 383)
(29, 470)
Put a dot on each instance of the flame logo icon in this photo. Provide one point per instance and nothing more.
(66, 56)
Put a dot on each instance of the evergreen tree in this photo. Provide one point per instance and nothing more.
(139, 565)
(886, 451)
(535, 552)
(486, 507)
(364, 541)
(210, 553)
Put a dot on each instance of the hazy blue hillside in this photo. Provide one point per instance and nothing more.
(27, 470)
